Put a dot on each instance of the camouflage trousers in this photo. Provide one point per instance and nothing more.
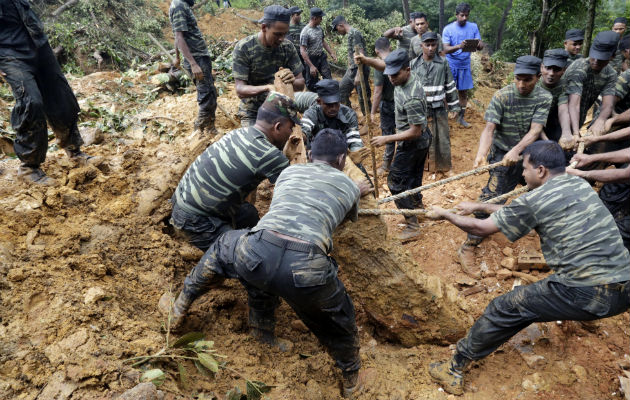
(347, 85)
(271, 268)
(501, 181)
(201, 230)
(407, 168)
(543, 301)
(206, 93)
(323, 69)
(616, 198)
(388, 127)
(41, 94)
(440, 150)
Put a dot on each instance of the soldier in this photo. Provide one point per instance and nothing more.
(295, 27)
(413, 137)
(454, 37)
(210, 197)
(285, 255)
(622, 92)
(553, 67)
(586, 79)
(312, 46)
(619, 26)
(189, 42)
(514, 119)
(40, 90)
(351, 77)
(404, 34)
(437, 82)
(422, 26)
(573, 41)
(580, 243)
(258, 57)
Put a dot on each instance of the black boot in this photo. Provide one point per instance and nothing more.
(461, 120)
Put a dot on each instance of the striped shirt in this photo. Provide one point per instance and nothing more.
(411, 106)
(346, 121)
(218, 181)
(437, 82)
(415, 47)
(622, 91)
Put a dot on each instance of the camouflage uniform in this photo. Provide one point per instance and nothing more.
(552, 129)
(616, 198)
(404, 40)
(580, 243)
(210, 198)
(42, 93)
(347, 82)
(314, 121)
(183, 20)
(622, 90)
(388, 112)
(438, 84)
(617, 62)
(573, 58)
(580, 79)
(256, 65)
(415, 47)
(304, 100)
(294, 35)
(313, 40)
(408, 165)
(309, 202)
(513, 115)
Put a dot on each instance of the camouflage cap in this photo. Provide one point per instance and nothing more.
(282, 105)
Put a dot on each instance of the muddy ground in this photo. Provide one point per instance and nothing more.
(83, 264)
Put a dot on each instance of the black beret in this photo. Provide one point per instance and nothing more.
(394, 61)
(528, 65)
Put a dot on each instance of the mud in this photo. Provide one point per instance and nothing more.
(83, 265)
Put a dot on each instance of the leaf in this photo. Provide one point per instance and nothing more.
(208, 361)
(184, 380)
(202, 370)
(204, 344)
(235, 394)
(255, 389)
(153, 375)
(188, 338)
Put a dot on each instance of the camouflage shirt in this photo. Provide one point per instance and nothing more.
(514, 114)
(346, 121)
(411, 106)
(309, 202)
(183, 20)
(355, 38)
(388, 89)
(617, 62)
(304, 100)
(437, 82)
(578, 235)
(294, 34)
(313, 40)
(573, 58)
(553, 130)
(415, 47)
(622, 90)
(256, 64)
(218, 181)
(404, 39)
(580, 79)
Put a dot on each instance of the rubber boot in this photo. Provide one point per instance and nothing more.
(466, 258)
(34, 174)
(461, 120)
(412, 230)
(450, 374)
(384, 167)
(268, 337)
(175, 309)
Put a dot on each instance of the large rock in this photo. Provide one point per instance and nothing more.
(142, 391)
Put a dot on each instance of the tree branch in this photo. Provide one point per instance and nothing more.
(65, 6)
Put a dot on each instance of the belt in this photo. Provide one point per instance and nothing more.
(290, 244)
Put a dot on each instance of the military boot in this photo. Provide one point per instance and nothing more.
(32, 174)
(384, 167)
(268, 337)
(175, 309)
(411, 231)
(355, 382)
(461, 121)
(466, 258)
(450, 374)
(81, 158)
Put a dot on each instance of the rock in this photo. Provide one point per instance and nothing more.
(92, 135)
(580, 372)
(93, 295)
(534, 361)
(504, 274)
(464, 280)
(299, 326)
(313, 391)
(534, 382)
(508, 251)
(58, 388)
(60, 351)
(508, 262)
(142, 391)
(16, 275)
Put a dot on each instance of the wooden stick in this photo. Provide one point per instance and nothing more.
(368, 121)
(167, 54)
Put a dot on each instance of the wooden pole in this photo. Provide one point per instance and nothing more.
(170, 57)
(368, 122)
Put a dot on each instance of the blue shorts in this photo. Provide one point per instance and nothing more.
(463, 78)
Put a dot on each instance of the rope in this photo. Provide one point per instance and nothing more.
(420, 211)
(441, 182)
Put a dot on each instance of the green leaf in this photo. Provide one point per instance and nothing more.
(202, 370)
(188, 338)
(235, 394)
(208, 361)
(255, 389)
(183, 376)
(153, 375)
(204, 344)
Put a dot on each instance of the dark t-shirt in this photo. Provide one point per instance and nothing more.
(388, 89)
(20, 30)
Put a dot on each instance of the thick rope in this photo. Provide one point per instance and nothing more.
(441, 182)
(420, 211)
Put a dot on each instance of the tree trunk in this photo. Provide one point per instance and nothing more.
(405, 4)
(345, 3)
(501, 29)
(441, 16)
(590, 24)
(537, 36)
